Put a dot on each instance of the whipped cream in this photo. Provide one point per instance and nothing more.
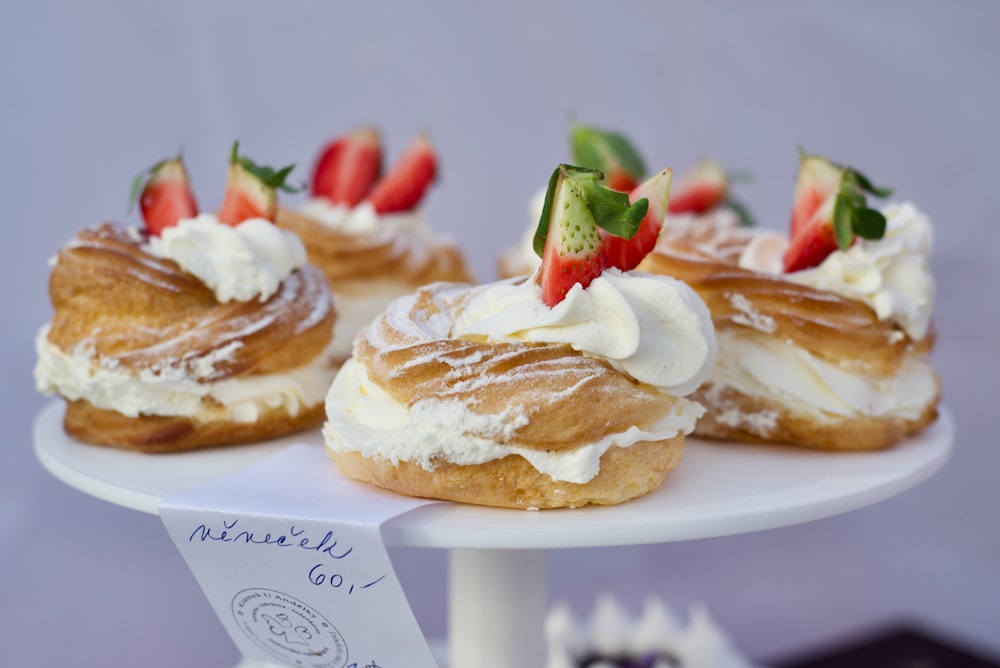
(891, 275)
(654, 328)
(179, 389)
(238, 263)
(612, 632)
(363, 219)
(363, 418)
(760, 366)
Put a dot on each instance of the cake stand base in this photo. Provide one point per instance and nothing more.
(498, 584)
(485, 585)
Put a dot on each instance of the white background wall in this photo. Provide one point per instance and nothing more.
(908, 91)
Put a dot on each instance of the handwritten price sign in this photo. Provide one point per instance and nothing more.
(295, 566)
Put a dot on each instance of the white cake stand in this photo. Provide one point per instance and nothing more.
(498, 578)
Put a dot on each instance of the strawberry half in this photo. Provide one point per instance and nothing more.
(818, 178)
(814, 241)
(626, 254)
(251, 189)
(702, 189)
(348, 167)
(609, 152)
(166, 195)
(836, 221)
(568, 237)
(408, 180)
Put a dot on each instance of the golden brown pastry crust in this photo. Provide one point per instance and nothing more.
(163, 433)
(144, 312)
(567, 398)
(352, 261)
(790, 426)
(841, 331)
(626, 473)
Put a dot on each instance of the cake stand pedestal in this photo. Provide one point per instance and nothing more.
(497, 572)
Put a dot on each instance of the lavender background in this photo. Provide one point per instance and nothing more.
(908, 91)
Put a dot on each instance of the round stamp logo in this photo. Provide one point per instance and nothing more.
(289, 629)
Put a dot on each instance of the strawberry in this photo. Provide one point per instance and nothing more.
(835, 223)
(251, 189)
(166, 195)
(702, 189)
(817, 179)
(568, 239)
(408, 180)
(348, 167)
(609, 152)
(626, 254)
(814, 241)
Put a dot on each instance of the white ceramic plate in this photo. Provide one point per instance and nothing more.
(719, 489)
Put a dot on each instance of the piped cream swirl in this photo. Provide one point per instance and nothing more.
(654, 328)
(238, 263)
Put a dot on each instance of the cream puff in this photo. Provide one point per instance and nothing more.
(824, 334)
(561, 389)
(196, 330)
(366, 231)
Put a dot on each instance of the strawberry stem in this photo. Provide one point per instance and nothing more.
(742, 212)
(267, 175)
(851, 214)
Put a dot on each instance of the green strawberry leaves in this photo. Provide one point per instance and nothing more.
(611, 209)
(742, 212)
(739, 208)
(267, 175)
(851, 214)
(602, 150)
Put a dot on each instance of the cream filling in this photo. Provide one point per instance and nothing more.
(174, 389)
(805, 383)
(363, 418)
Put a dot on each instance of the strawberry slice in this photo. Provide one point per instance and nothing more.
(814, 241)
(610, 152)
(626, 254)
(837, 221)
(568, 236)
(251, 189)
(408, 180)
(166, 195)
(348, 167)
(818, 178)
(702, 189)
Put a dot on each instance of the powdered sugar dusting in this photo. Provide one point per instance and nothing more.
(750, 316)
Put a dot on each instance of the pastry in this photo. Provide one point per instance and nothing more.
(366, 231)
(197, 330)
(704, 191)
(561, 389)
(824, 334)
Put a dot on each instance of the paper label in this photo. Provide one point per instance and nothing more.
(291, 557)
